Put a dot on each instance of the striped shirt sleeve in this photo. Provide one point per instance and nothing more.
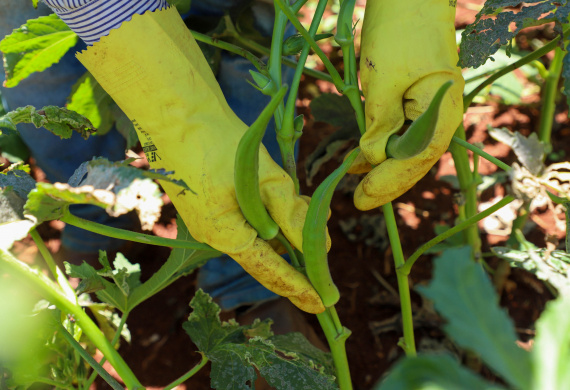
(93, 19)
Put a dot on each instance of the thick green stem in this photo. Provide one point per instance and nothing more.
(189, 374)
(52, 293)
(114, 342)
(481, 153)
(89, 359)
(274, 64)
(409, 344)
(57, 273)
(406, 268)
(259, 65)
(468, 188)
(132, 236)
(336, 338)
(549, 98)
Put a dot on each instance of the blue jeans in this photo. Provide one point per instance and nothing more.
(222, 277)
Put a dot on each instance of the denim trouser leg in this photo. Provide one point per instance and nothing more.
(59, 158)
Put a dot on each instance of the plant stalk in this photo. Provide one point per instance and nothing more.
(468, 188)
(131, 236)
(336, 339)
(549, 99)
(52, 293)
(57, 273)
(89, 359)
(189, 374)
(114, 342)
(409, 344)
(406, 268)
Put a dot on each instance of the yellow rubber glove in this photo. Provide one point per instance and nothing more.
(408, 51)
(155, 71)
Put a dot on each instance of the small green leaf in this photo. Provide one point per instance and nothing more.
(34, 47)
(89, 99)
(464, 295)
(60, 121)
(529, 150)
(234, 356)
(111, 285)
(551, 350)
(437, 372)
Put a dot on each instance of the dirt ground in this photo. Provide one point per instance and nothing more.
(362, 268)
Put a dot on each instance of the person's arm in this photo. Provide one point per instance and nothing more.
(154, 70)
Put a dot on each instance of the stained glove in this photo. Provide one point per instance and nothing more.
(408, 51)
(154, 70)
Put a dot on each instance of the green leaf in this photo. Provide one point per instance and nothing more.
(436, 372)
(234, 356)
(19, 179)
(181, 262)
(15, 184)
(553, 267)
(464, 295)
(60, 121)
(114, 186)
(551, 350)
(89, 99)
(529, 150)
(111, 285)
(486, 35)
(34, 47)
(13, 148)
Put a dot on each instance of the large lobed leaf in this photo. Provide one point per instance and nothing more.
(464, 295)
(286, 362)
(493, 26)
(114, 186)
(34, 47)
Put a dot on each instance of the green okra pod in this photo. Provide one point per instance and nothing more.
(315, 235)
(246, 174)
(420, 133)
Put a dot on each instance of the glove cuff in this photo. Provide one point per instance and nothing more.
(93, 19)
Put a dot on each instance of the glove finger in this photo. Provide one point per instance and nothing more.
(360, 165)
(287, 209)
(393, 177)
(274, 273)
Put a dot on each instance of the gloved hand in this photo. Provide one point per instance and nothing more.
(408, 51)
(156, 73)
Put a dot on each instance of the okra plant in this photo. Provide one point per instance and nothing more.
(65, 335)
